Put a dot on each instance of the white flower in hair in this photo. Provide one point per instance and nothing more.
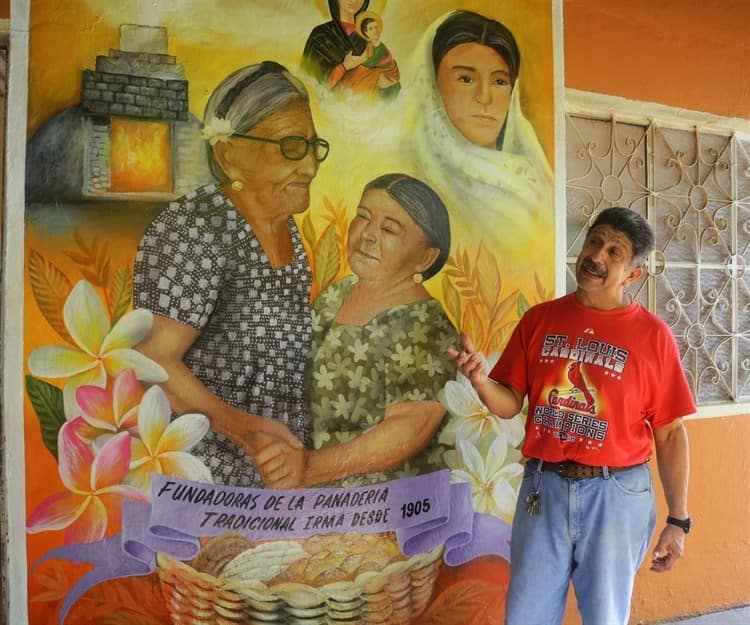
(217, 129)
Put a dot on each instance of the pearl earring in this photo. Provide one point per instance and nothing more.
(237, 185)
(417, 277)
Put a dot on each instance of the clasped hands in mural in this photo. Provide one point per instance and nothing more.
(280, 464)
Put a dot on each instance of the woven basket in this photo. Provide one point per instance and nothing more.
(396, 595)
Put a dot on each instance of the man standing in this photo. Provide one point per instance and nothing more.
(604, 384)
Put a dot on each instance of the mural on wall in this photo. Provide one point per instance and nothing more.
(252, 230)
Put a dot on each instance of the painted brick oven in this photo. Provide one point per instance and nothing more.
(131, 138)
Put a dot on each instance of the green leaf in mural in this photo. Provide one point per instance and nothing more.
(47, 401)
(452, 301)
(120, 292)
(523, 305)
(308, 231)
(327, 260)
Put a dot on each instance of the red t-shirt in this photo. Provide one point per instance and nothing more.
(597, 381)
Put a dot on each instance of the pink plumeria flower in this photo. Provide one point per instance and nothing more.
(94, 486)
(162, 446)
(107, 412)
(101, 349)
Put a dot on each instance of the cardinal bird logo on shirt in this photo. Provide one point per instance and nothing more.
(575, 375)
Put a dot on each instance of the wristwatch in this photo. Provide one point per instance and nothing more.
(684, 524)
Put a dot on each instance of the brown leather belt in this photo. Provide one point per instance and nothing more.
(576, 470)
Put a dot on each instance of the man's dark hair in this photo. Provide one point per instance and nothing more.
(632, 225)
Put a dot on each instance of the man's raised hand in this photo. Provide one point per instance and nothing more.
(468, 361)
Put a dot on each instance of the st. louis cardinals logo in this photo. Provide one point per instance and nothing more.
(578, 382)
(571, 411)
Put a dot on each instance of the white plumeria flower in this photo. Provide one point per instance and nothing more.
(470, 418)
(494, 476)
(217, 129)
(101, 349)
(162, 446)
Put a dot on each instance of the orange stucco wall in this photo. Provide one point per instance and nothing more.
(690, 54)
(687, 53)
(715, 571)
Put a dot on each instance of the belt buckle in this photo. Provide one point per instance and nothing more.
(578, 471)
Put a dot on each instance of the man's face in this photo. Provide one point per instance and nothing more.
(605, 267)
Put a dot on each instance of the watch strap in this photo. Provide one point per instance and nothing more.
(683, 524)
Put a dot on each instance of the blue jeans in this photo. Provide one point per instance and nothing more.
(592, 531)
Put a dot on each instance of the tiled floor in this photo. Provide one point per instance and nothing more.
(737, 616)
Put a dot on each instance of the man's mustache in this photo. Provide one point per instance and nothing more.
(592, 267)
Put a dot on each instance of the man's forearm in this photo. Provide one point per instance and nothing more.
(672, 455)
(501, 400)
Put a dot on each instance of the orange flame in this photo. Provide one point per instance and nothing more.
(141, 157)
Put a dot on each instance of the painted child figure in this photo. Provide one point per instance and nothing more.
(378, 74)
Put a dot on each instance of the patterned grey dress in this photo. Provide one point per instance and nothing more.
(200, 263)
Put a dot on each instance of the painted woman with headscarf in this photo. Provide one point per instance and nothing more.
(468, 137)
(335, 44)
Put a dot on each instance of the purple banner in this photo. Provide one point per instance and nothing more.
(206, 510)
(424, 512)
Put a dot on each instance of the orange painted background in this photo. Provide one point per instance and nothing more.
(690, 54)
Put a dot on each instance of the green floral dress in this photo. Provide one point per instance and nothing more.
(355, 372)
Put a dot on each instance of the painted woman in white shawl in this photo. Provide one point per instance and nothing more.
(471, 141)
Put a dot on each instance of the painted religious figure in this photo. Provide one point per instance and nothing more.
(336, 44)
(378, 73)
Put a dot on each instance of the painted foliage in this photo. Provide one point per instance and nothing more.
(252, 230)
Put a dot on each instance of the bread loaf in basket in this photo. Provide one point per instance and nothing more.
(331, 578)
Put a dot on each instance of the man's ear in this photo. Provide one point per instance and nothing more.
(635, 273)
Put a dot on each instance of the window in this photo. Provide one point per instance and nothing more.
(691, 180)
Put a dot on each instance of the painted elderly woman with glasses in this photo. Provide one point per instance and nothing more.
(224, 271)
